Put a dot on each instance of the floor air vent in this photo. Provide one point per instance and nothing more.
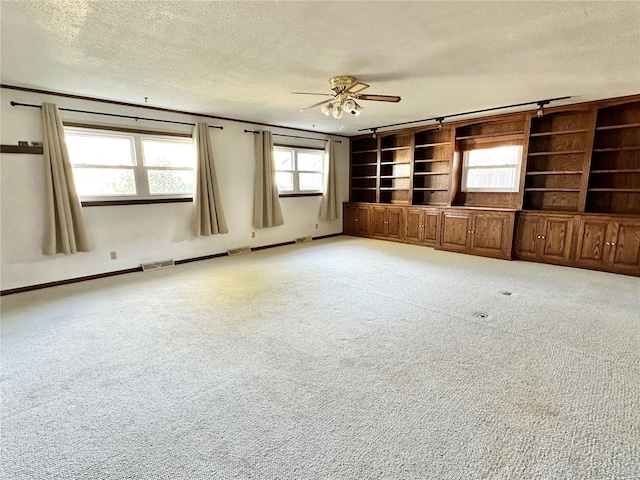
(239, 250)
(157, 265)
(304, 239)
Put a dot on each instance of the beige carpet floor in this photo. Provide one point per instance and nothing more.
(344, 358)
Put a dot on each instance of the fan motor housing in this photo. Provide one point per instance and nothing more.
(341, 82)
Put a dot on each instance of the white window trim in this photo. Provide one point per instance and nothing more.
(516, 166)
(139, 168)
(296, 179)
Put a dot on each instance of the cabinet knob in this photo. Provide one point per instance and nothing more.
(357, 219)
(386, 223)
(612, 244)
(608, 243)
(542, 236)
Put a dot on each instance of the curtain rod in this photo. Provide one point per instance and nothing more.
(293, 136)
(441, 118)
(17, 104)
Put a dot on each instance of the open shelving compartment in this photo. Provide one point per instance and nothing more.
(614, 179)
(432, 165)
(396, 151)
(364, 169)
(558, 146)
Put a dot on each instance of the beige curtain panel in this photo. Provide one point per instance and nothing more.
(65, 230)
(266, 202)
(208, 217)
(329, 209)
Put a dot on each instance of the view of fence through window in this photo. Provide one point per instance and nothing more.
(299, 170)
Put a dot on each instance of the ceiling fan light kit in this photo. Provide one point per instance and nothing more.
(344, 99)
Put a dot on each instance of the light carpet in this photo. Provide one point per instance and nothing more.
(344, 358)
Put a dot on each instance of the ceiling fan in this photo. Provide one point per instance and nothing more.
(346, 96)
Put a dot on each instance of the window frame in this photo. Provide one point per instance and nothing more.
(296, 192)
(517, 167)
(140, 170)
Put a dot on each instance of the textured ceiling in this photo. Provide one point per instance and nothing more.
(242, 59)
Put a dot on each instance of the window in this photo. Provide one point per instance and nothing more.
(299, 170)
(111, 165)
(494, 169)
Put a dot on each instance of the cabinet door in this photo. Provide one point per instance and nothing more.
(379, 222)
(528, 233)
(350, 216)
(414, 221)
(557, 238)
(430, 227)
(594, 239)
(491, 234)
(455, 231)
(625, 246)
(394, 222)
(363, 222)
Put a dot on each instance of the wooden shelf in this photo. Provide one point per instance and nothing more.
(500, 136)
(392, 149)
(556, 172)
(424, 189)
(431, 173)
(615, 127)
(615, 190)
(551, 189)
(560, 132)
(364, 164)
(364, 177)
(363, 188)
(427, 145)
(393, 189)
(394, 176)
(566, 152)
(375, 150)
(622, 170)
(432, 160)
(616, 149)
(395, 163)
(21, 149)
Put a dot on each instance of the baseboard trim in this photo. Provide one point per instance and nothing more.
(57, 283)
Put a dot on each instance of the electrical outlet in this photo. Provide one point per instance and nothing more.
(253, 234)
(316, 226)
(113, 255)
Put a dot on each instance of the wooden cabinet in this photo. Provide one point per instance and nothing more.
(388, 222)
(609, 244)
(544, 237)
(477, 231)
(421, 225)
(357, 219)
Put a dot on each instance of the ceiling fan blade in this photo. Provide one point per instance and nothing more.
(307, 93)
(357, 87)
(379, 98)
(315, 105)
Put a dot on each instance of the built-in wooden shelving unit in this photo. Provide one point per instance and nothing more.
(614, 180)
(432, 166)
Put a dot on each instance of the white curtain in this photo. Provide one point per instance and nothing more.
(65, 230)
(329, 209)
(208, 218)
(266, 202)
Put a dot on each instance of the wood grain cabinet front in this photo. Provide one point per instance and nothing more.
(421, 226)
(388, 222)
(357, 219)
(609, 244)
(544, 238)
(476, 231)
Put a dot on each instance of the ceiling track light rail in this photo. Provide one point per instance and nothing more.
(440, 120)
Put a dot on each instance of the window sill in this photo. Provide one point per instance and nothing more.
(286, 195)
(133, 201)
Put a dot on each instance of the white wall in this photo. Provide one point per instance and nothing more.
(138, 233)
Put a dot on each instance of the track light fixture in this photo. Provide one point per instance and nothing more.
(540, 112)
(373, 133)
(440, 120)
